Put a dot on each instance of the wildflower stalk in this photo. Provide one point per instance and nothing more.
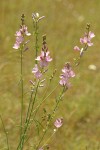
(31, 103)
(36, 40)
(37, 107)
(36, 18)
(21, 45)
(51, 116)
(28, 117)
(86, 40)
(5, 132)
(36, 27)
(22, 92)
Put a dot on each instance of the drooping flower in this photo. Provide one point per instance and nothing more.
(67, 73)
(20, 36)
(36, 72)
(44, 59)
(58, 123)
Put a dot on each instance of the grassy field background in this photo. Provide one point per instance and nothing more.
(64, 24)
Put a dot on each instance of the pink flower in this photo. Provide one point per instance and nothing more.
(87, 38)
(40, 148)
(24, 30)
(44, 59)
(36, 72)
(64, 81)
(91, 35)
(66, 75)
(16, 45)
(58, 123)
(20, 36)
(18, 33)
(76, 48)
(19, 39)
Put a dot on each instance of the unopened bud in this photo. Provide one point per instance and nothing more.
(88, 26)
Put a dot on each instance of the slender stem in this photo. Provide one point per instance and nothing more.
(29, 114)
(58, 101)
(36, 109)
(48, 139)
(5, 132)
(29, 107)
(44, 99)
(22, 94)
(36, 40)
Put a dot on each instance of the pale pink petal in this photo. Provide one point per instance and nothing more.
(19, 39)
(18, 33)
(76, 48)
(35, 69)
(47, 53)
(36, 72)
(91, 35)
(48, 59)
(44, 59)
(58, 123)
(90, 44)
(16, 46)
(81, 40)
(72, 74)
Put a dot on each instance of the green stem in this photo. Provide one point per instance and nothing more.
(36, 109)
(22, 94)
(44, 99)
(28, 117)
(48, 139)
(58, 101)
(36, 40)
(5, 132)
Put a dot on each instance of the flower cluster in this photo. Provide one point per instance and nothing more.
(67, 73)
(85, 40)
(36, 72)
(20, 36)
(43, 60)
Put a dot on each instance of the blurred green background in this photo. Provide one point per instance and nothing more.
(64, 24)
